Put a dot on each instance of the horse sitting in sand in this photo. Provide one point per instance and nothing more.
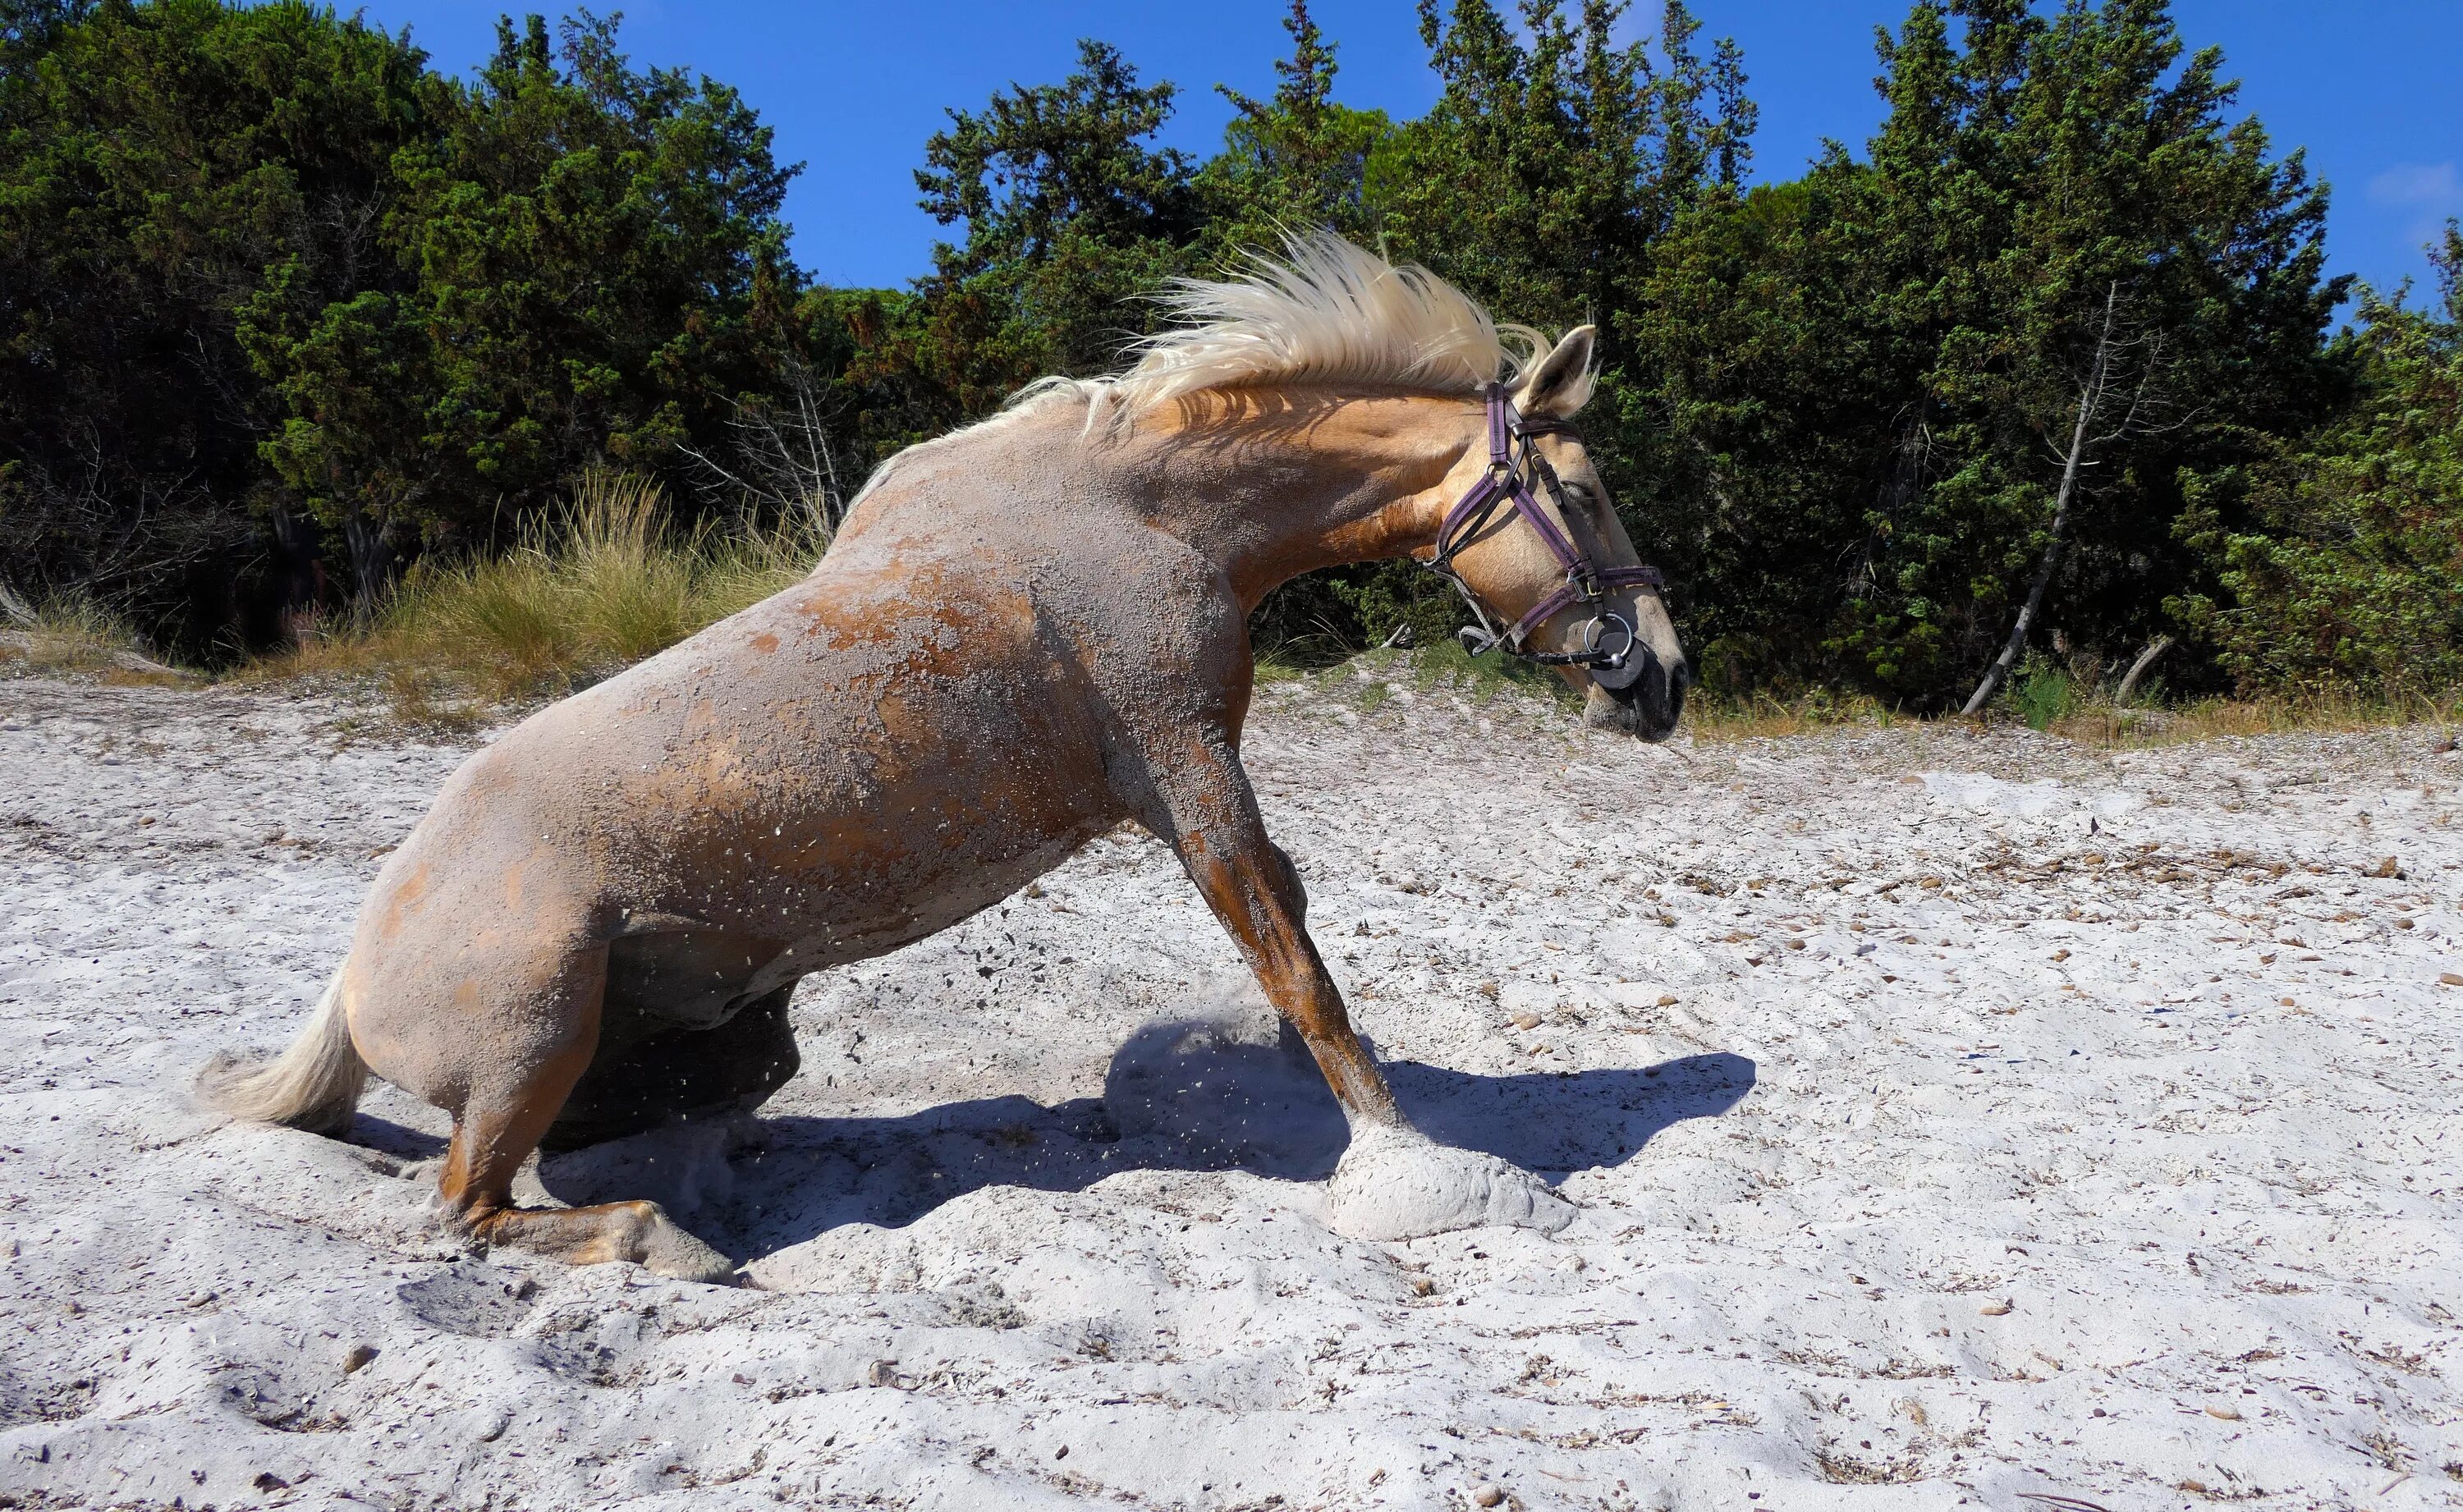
(1026, 633)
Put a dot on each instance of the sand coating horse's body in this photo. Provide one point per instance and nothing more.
(1025, 634)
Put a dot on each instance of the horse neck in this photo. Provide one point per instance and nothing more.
(1306, 482)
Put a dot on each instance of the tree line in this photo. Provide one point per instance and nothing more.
(2049, 368)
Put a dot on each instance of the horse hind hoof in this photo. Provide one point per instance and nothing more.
(669, 1251)
(1395, 1185)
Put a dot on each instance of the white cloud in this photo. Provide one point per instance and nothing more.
(2434, 185)
(2419, 198)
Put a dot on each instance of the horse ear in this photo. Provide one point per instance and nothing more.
(1559, 385)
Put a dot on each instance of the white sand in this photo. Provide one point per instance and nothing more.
(1953, 1118)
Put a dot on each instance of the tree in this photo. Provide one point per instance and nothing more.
(2339, 558)
(155, 161)
(2105, 387)
(1862, 374)
(1548, 169)
(1296, 161)
(1071, 218)
(264, 276)
(584, 241)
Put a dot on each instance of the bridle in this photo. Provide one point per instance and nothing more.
(1505, 486)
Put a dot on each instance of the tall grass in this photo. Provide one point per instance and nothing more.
(2099, 722)
(72, 633)
(600, 584)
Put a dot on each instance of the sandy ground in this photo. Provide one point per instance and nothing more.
(1958, 1120)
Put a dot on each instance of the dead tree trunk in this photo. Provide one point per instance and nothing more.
(2138, 669)
(2090, 400)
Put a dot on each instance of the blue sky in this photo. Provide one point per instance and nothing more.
(2369, 87)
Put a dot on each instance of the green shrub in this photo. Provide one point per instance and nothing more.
(2044, 694)
(2340, 562)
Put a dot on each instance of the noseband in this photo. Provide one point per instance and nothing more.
(1511, 462)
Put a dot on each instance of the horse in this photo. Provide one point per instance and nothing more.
(1026, 633)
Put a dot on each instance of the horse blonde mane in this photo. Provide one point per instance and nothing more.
(1327, 312)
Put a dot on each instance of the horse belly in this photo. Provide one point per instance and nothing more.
(935, 898)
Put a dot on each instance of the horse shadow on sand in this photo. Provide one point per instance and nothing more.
(1179, 1095)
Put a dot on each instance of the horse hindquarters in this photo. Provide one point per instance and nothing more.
(497, 1025)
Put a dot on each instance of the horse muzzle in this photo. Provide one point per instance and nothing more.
(1647, 702)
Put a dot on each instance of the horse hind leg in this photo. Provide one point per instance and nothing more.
(506, 1110)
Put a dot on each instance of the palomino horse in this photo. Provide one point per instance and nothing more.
(1027, 632)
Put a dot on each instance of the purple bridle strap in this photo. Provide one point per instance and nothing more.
(1502, 486)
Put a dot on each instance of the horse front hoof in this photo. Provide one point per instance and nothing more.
(1396, 1184)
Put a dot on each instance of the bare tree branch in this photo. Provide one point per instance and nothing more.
(2138, 668)
(2090, 402)
(784, 462)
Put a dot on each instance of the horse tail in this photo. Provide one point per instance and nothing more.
(315, 1085)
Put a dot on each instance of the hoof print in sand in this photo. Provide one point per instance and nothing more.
(1397, 1186)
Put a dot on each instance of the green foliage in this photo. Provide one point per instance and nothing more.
(1071, 218)
(262, 262)
(577, 253)
(1864, 377)
(1296, 161)
(1557, 156)
(281, 308)
(2341, 563)
(155, 160)
(2044, 694)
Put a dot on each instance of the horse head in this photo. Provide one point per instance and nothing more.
(1555, 566)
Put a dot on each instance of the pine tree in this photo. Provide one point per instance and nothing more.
(2339, 559)
(1070, 217)
(1296, 161)
(1867, 378)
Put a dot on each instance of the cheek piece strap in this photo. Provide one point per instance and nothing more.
(1512, 461)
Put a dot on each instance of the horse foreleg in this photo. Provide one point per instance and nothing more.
(1393, 1182)
(1256, 894)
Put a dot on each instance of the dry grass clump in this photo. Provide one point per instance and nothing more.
(2048, 697)
(70, 634)
(1762, 715)
(599, 586)
(2102, 724)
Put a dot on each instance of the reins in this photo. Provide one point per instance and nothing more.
(1505, 486)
